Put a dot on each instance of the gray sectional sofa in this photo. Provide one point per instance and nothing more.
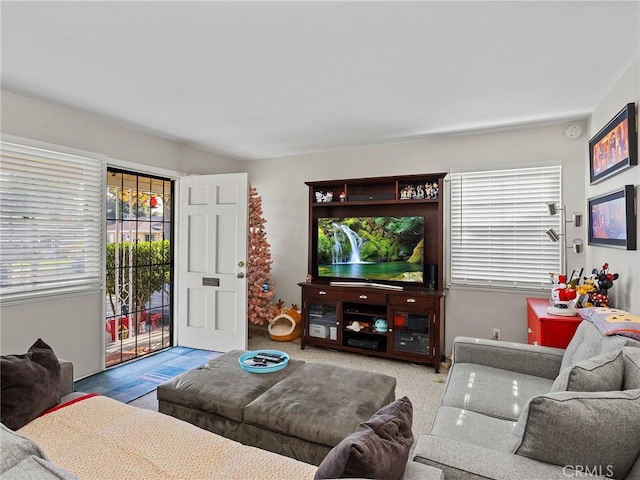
(72, 450)
(513, 410)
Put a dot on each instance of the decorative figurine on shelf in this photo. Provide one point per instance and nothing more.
(407, 192)
(583, 292)
(322, 197)
(343, 197)
(431, 190)
(603, 281)
(562, 294)
(380, 325)
(419, 192)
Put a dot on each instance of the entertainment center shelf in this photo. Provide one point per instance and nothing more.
(414, 321)
(375, 283)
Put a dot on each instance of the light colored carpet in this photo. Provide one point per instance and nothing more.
(418, 382)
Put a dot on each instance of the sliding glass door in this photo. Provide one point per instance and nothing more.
(139, 270)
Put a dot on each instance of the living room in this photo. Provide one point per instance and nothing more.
(520, 144)
(346, 140)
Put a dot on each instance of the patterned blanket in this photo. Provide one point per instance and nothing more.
(100, 438)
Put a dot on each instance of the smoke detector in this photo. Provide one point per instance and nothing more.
(573, 131)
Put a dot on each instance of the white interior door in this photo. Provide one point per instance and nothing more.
(212, 258)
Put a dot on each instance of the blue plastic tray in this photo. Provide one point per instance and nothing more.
(268, 369)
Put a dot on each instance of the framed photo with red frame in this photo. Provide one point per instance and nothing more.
(612, 219)
(614, 148)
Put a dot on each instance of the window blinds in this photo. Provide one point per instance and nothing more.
(497, 224)
(50, 222)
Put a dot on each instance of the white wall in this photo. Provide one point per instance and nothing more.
(74, 325)
(44, 122)
(626, 290)
(280, 181)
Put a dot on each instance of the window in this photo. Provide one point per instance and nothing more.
(51, 222)
(497, 224)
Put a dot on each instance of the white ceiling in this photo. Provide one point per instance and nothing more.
(255, 80)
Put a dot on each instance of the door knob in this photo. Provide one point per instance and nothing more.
(240, 275)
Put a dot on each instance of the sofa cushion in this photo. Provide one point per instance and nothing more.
(379, 448)
(596, 430)
(321, 403)
(588, 342)
(613, 321)
(598, 374)
(631, 360)
(14, 448)
(30, 384)
(471, 427)
(37, 468)
(491, 391)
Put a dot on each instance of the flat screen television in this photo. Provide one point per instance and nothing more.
(378, 249)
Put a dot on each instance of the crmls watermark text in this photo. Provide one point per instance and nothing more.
(584, 471)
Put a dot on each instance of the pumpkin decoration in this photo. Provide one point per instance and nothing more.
(286, 324)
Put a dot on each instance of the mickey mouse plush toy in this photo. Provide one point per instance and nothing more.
(603, 282)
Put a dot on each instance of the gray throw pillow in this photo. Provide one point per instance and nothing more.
(379, 448)
(30, 384)
(598, 374)
(631, 358)
(598, 431)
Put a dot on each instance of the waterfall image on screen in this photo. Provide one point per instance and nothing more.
(371, 248)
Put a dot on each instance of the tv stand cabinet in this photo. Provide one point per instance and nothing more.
(351, 315)
(413, 317)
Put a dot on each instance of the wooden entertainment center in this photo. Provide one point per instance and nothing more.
(402, 318)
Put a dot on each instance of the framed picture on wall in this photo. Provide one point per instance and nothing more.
(612, 219)
(614, 148)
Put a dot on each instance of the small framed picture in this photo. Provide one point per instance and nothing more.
(614, 148)
(612, 219)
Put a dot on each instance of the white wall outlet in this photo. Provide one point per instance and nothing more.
(496, 334)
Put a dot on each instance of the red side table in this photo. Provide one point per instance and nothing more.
(547, 329)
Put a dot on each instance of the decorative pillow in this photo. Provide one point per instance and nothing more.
(611, 321)
(30, 384)
(379, 448)
(598, 374)
(597, 430)
(631, 358)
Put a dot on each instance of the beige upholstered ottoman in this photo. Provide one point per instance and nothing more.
(301, 411)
